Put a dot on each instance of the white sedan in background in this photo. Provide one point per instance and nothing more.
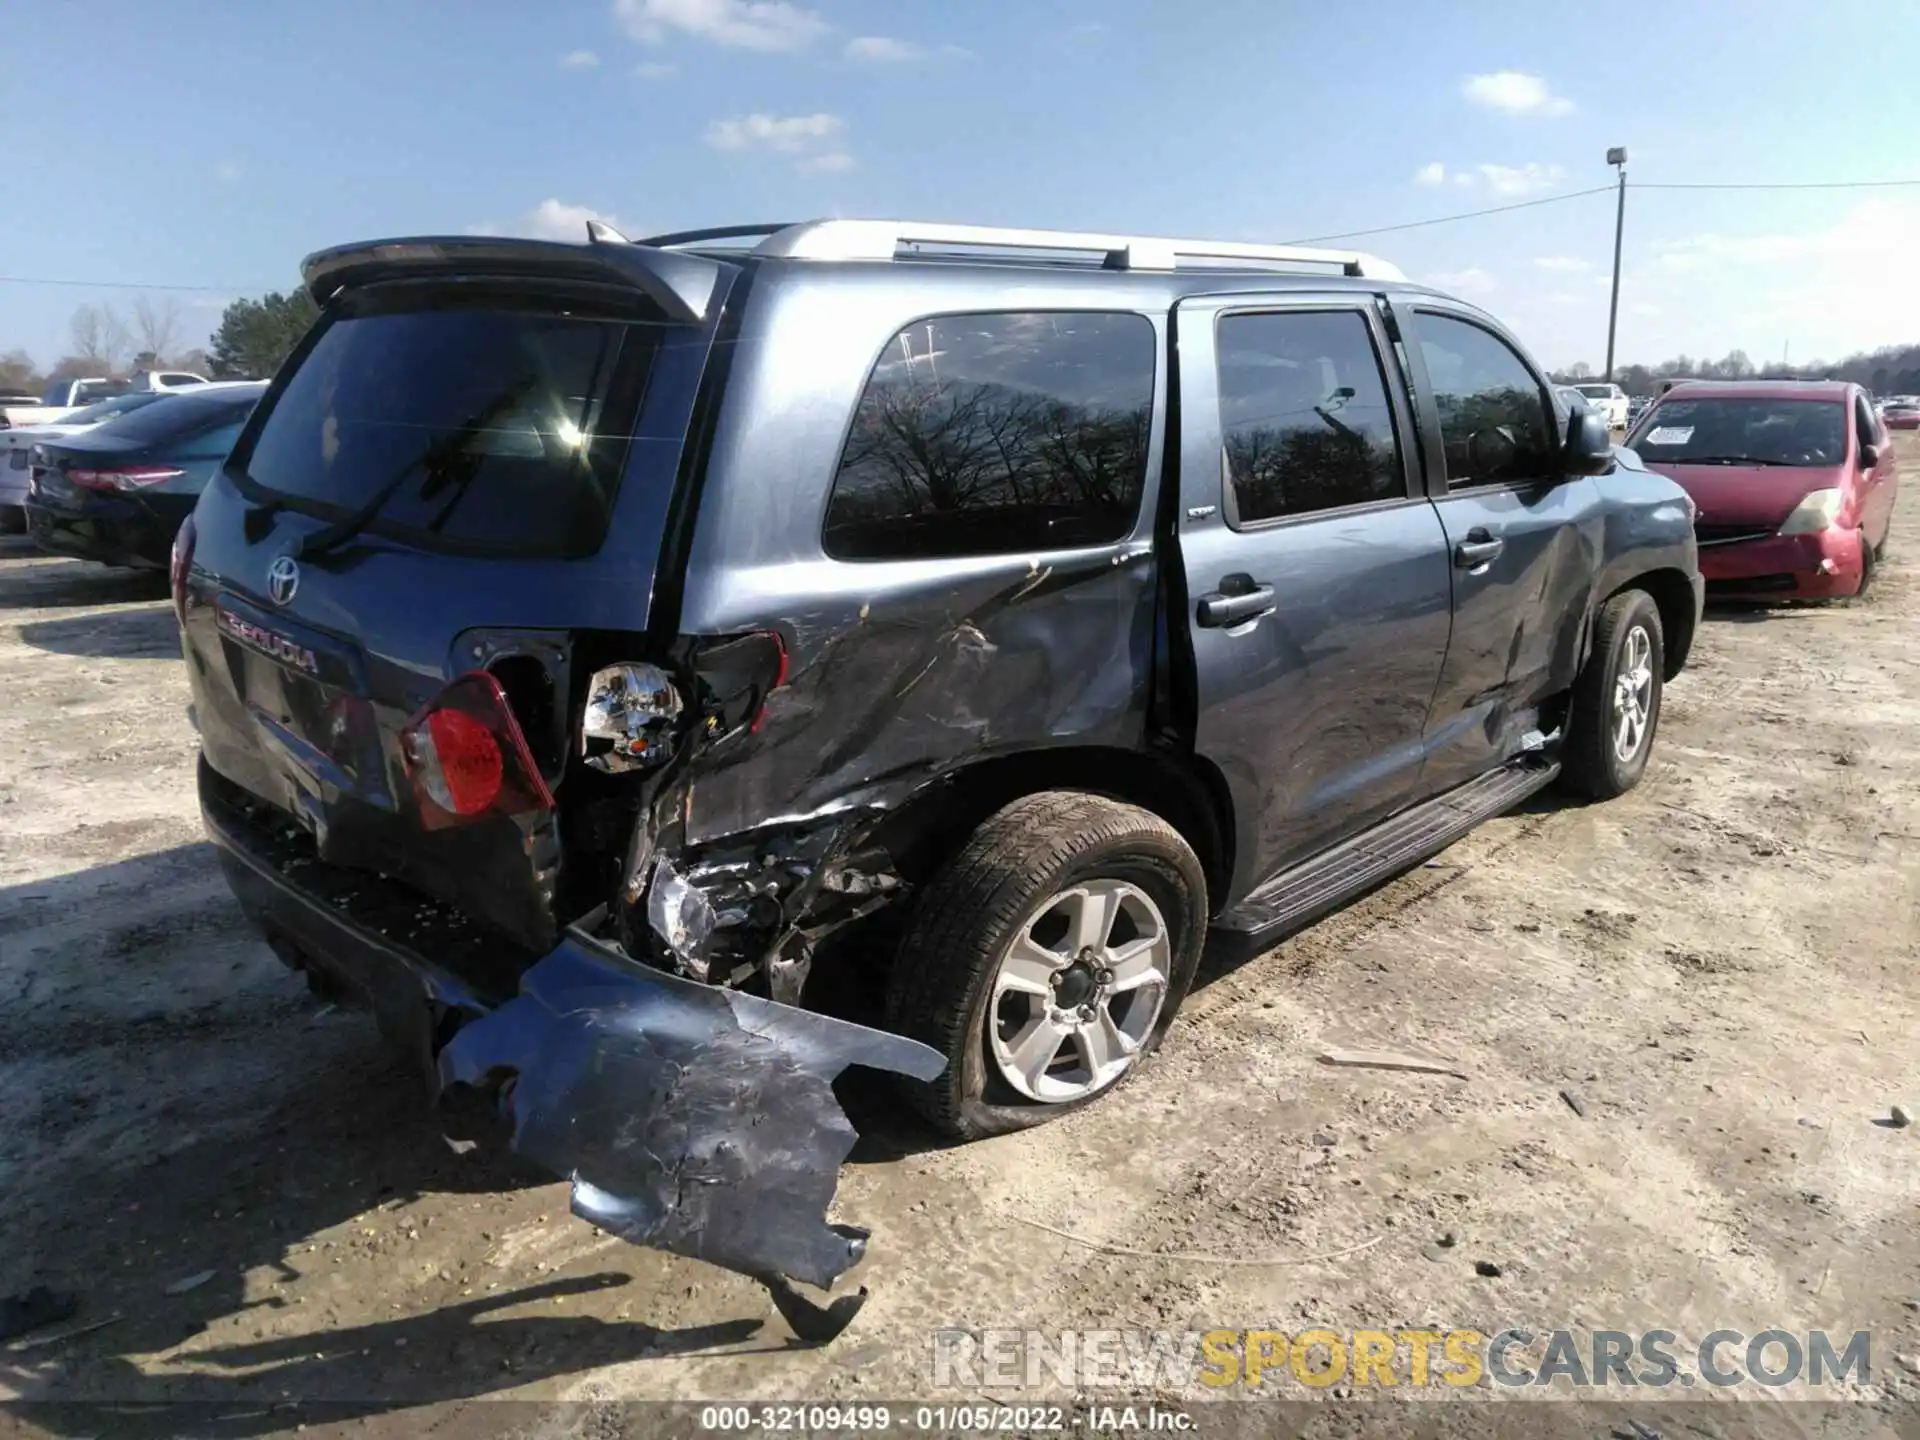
(1609, 400)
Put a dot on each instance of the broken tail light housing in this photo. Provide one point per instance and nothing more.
(468, 758)
(738, 675)
(179, 564)
(632, 718)
(132, 477)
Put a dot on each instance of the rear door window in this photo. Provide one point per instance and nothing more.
(991, 434)
(497, 423)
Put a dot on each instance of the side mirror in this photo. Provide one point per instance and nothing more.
(1589, 444)
(1869, 456)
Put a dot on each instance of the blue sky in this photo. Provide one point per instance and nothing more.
(213, 144)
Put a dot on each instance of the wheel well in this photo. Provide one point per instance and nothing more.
(1673, 596)
(1185, 791)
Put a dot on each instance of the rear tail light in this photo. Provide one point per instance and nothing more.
(468, 759)
(179, 564)
(131, 478)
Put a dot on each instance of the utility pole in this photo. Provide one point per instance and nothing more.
(1616, 157)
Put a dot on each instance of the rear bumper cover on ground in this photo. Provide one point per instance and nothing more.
(1819, 566)
(687, 1117)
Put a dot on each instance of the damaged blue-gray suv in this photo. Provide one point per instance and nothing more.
(655, 676)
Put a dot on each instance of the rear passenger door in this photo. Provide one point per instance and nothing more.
(1316, 570)
(1522, 537)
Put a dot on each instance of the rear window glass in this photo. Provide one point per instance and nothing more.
(1743, 430)
(107, 409)
(992, 434)
(172, 416)
(502, 429)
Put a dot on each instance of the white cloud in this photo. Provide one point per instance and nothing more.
(883, 49)
(654, 70)
(815, 141)
(550, 220)
(1471, 281)
(1643, 308)
(1566, 264)
(579, 60)
(1463, 179)
(769, 25)
(830, 163)
(227, 173)
(1515, 93)
(1528, 179)
(1430, 174)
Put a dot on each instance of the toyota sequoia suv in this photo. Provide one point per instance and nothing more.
(654, 676)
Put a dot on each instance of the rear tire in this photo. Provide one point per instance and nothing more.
(1606, 748)
(1046, 960)
(13, 520)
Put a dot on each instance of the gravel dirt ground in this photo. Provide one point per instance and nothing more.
(1719, 969)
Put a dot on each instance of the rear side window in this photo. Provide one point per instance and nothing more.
(495, 424)
(174, 417)
(991, 434)
(1305, 415)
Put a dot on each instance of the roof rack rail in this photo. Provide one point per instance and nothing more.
(887, 239)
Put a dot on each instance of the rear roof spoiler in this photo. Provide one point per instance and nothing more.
(682, 285)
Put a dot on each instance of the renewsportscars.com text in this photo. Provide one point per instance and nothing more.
(1319, 1358)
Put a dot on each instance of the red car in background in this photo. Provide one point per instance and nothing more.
(1795, 483)
(1901, 413)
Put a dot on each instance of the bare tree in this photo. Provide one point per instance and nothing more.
(156, 327)
(17, 371)
(99, 336)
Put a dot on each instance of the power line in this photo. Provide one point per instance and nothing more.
(1449, 219)
(128, 285)
(1798, 185)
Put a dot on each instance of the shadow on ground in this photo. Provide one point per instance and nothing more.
(57, 582)
(353, 1132)
(148, 633)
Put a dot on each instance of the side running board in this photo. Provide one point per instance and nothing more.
(1315, 886)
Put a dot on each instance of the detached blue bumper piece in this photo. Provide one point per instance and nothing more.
(690, 1118)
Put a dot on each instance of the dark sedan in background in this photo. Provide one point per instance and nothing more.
(119, 493)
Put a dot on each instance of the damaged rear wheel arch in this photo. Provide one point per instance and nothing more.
(1185, 791)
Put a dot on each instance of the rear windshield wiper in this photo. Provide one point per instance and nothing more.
(436, 458)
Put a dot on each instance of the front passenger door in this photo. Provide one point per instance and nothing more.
(1521, 534)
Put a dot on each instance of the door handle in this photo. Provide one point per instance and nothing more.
(1237, 599)
(1479, 548)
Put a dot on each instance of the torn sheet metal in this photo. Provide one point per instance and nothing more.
(689, 1118)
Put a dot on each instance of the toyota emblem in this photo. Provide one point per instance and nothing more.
(283, 579)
